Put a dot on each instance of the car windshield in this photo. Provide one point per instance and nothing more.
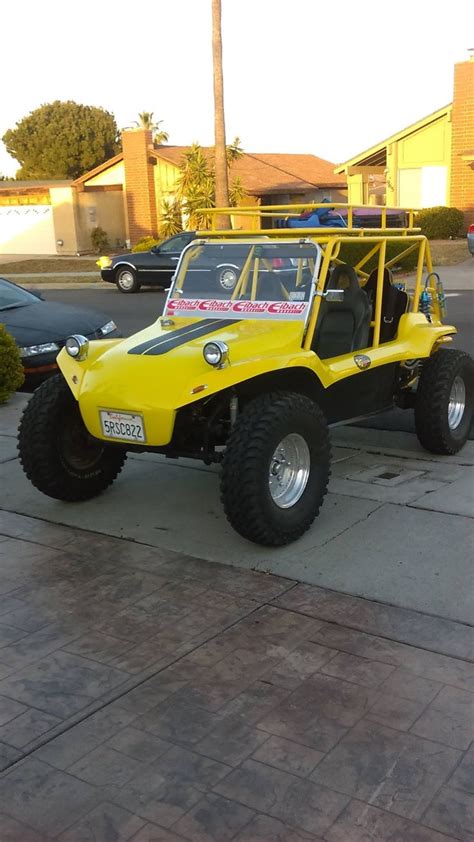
(245, 280)
(12, 296)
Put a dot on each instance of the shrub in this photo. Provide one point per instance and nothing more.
(11, 369)
(440, 223)
(352, 253)
(171, 221)
(145, 244)
(99, 239)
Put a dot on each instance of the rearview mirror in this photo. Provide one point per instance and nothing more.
(334, 295)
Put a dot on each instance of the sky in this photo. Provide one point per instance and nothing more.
(328, 78)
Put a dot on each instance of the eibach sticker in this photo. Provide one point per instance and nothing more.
(237, 309)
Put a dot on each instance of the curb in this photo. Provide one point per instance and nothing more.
(78, 285)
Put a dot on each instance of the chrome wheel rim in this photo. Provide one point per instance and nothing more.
(126, 280)
(457, 403)
(78, 451)
(289, 471)
(227, 279)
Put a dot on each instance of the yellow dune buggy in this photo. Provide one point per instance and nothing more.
(312, 331)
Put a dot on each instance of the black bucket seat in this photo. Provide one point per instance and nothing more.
(395, 303)
(343, 326)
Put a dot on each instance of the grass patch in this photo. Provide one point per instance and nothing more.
(32, 283)
(448, 252)
(50, 266)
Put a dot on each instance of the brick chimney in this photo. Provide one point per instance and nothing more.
(462, 162)
(139, 183)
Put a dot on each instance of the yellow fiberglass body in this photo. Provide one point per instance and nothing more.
(156, 371)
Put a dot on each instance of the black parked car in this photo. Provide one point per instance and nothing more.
(147, 268)
(41, 327)
(157, 266)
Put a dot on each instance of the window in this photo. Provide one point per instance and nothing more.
(176, 244)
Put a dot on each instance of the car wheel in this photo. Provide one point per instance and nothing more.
(56, 451)
(444, 401)
(226, 278)
(276, 468)
(126, 280)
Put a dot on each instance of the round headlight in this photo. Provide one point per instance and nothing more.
(77, 346)
(216, 353)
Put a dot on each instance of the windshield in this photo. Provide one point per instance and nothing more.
(245, 280)
(12, 296)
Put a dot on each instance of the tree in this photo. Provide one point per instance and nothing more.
(146, 121)
(62, 140)
(196, 184)
(222, 184)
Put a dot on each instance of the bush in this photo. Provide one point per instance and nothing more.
(145, 244)
(99, 239)
(352, 253)
(440, 223)
(11, 369)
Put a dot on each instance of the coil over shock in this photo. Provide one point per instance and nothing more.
(427, 297)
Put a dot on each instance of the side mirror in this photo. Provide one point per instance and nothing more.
(155, 250)
(36, 293)
(334, 295)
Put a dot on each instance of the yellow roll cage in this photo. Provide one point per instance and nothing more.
(408, 237)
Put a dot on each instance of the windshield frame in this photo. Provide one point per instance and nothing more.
(173, 293)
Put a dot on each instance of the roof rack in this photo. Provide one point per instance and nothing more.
(358, 220)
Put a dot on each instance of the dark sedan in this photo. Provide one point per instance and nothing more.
(146, 268)
(40, 328)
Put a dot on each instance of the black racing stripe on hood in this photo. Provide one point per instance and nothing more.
(170, 341)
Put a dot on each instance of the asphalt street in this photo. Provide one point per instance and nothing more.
(134, 312)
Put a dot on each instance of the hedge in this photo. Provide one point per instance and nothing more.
(145, 244)
(352, 253)
(11, 369)
(440, 223)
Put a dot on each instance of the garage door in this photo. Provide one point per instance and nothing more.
(27, 229)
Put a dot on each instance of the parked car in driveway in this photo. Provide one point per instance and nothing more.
(145, 268)
(40, 328)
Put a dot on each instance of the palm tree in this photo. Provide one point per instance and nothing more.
(222, 184)
(145, 121)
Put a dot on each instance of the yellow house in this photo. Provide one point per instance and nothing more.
(427, 164)
(411, 168)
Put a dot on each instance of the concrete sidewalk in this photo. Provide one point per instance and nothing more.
(405, 540)
(154, 687)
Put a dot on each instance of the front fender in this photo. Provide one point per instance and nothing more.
(74, 371)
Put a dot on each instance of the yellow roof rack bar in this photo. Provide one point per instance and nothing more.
(256, 213)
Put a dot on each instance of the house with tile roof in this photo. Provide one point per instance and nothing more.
(148, 175)
(125, 195)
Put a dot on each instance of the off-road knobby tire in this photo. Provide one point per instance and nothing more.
(258, 430)
(40, 433)
(432, 400)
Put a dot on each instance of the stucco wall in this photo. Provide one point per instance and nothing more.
(113, 175)
(62, 200)
(100, 209)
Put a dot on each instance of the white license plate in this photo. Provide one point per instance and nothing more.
(122, 425)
